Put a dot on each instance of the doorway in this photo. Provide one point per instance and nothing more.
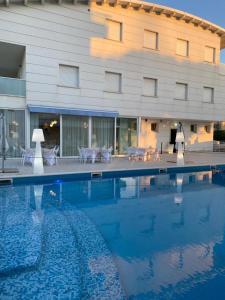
(173, 133)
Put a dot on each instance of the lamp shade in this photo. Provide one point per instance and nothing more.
(180, 137)
(38, 135)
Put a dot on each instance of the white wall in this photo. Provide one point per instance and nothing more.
(200, 141)
(72, 35)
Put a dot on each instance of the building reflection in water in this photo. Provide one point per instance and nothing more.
(160, 232)
(156, 243)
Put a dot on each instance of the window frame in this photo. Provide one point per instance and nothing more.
(157, 40)
(68, 85)
(208, 128)
(212, 94)
(156, 125)
(186, 91)
(214, 55)
(156, 87)
(120, 82)
(187, 50)
(195, 128)
(121, 30)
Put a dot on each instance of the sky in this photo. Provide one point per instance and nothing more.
(213, 11)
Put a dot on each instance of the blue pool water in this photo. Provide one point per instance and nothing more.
(146, 237)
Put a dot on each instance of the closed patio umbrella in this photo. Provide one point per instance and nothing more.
(4, 146)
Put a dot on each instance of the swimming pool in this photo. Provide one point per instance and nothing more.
(143, 237)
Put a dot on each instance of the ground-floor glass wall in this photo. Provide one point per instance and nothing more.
(14, 132)
(103, 132)
(126, 134)
(74, 134)
(50, 124)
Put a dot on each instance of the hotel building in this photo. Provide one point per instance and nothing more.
(108, 73)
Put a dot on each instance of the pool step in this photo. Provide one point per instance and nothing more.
(100, 277)
(6, 181)
(58, 272)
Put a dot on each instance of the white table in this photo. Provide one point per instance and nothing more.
(90, 153)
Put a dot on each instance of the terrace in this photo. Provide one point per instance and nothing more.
(73, 166)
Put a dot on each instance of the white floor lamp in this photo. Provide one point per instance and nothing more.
(180, 150)
(38, 137)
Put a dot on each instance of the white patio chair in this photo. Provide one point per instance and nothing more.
(81, 155)
(156, 155)
(27, 156)
(107, 154)
(141, 154)
(132, 153)
(49, 157)
(56, 151)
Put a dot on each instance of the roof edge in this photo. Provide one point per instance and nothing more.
(168, 12)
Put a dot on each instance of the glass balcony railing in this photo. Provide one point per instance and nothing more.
(12, 86)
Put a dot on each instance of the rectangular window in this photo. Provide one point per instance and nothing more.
(69, 76)
(181, 92)
(208, 95)
(182, 47)
(154, 127)
(194, 128)
(151, 39)
(113, 82)
(114, 30)
(208, 128)
(210, 54)
(150, 87)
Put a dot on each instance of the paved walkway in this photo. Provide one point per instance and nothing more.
(72, 165)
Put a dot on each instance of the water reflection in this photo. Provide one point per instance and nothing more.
(178, 198)
(158, 245)
(166, 232)
(38, 213)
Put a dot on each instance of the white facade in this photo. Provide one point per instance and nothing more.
(79, 39)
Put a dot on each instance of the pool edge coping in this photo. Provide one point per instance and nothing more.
(87, 175)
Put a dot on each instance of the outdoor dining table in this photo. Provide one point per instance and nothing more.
(91, 153)
(134, 152)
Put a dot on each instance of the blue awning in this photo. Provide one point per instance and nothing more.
(74, 112)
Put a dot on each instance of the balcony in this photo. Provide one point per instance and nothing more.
(12, 87)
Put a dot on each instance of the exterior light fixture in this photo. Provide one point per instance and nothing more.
(38, 137)
(54, 122)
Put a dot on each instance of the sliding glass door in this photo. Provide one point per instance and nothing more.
(15, 132)
(102, 132)
(126, 134)
(74, 134)
(50, 124)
